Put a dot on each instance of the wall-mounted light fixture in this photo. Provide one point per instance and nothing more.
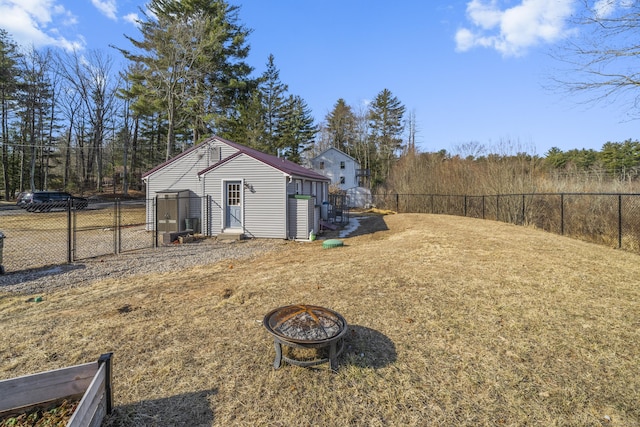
(249, 187)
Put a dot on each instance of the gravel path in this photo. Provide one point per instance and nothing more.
(163, 259)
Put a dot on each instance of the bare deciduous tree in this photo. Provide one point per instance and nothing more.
(601, 56)
(92, 78)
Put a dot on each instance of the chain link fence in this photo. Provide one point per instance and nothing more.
(46, 238)
(63, 235)
(611, 219)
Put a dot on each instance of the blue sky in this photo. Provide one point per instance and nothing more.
(470, 70)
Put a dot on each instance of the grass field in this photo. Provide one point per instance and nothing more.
(454, 321)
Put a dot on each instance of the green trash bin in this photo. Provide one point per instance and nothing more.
(1, 246)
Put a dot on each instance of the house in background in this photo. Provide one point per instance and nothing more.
(222, 187)
(345, 173)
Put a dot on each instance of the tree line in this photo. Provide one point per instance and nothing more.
(71, 120)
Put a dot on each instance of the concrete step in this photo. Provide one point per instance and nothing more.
(230, 236)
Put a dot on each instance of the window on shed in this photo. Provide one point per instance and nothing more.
(215, 154)
(342, 165)
(233, 194)
(321, 165)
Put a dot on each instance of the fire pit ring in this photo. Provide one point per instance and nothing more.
(306, 326)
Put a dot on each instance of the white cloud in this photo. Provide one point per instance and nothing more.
(486, 16)
(107, 7)
(29, 23)
(513, 30)
(465, 39)
(606, 8)
(131, 18)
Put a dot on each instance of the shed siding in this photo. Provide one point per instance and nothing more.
(225, 150)
(263, 197)
(265, 187)
(301, 218)
(182, 174)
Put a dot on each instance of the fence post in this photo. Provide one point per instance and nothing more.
(115, 227)
(497, 207)
(208, 214)
(483, 208)
(562, 214)
(619, 221)
(523, 211)
(465, 205)
(155, 222)
(397, 203)
(69, 234)
(118, 227)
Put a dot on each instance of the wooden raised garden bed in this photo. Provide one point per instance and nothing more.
(89, 383)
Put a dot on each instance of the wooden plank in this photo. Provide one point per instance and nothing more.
(46, 386)
(98, 417)
(89, 407)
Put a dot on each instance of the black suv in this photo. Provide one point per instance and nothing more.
(21, 199)
(44, 201)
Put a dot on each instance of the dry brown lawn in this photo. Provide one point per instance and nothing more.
(454, 321)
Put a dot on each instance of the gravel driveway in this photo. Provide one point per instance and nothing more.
(162, 259)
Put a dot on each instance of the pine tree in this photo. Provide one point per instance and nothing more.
(385, 132)
(248, 125)
(270, 121)
(192, 55)
(619, 158)
(272, 92)
(296, 129)
(341, 124)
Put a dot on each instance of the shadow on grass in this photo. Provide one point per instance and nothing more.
(188, 409)
(368, 348)
(358, 225)
(25, 276)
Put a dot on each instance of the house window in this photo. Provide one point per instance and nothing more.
(342, 180)
(342, 165)
(321, 165)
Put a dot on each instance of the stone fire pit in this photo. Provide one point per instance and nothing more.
(306, 326)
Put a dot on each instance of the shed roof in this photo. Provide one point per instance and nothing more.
(286, 166)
